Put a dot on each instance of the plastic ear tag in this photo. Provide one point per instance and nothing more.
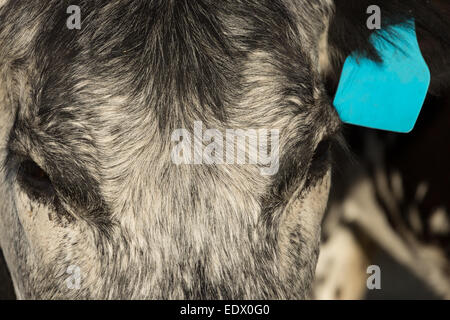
(388, 95)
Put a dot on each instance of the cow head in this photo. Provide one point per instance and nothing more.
(92, 203)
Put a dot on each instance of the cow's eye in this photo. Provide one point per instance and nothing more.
(322, 151)
(320, 161)
(35, 180)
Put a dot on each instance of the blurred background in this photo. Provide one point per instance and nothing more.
(389, 207)
(390, 201)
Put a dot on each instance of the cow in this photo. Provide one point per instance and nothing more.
(92, 204)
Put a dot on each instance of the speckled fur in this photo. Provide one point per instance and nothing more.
(95, 109)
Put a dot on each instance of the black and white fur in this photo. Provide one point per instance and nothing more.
(94, 109)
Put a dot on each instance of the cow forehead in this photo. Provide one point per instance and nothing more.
(176, 63)
(125, 81)
(200, 45)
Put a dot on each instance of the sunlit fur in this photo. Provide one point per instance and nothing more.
(95, 109)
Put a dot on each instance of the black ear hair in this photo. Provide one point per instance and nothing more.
(348, 32)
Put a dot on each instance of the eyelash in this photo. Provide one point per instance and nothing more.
(35, 181)
(321, 153)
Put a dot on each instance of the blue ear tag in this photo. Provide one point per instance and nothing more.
(388, 95)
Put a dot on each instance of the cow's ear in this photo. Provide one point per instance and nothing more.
(351, 27)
